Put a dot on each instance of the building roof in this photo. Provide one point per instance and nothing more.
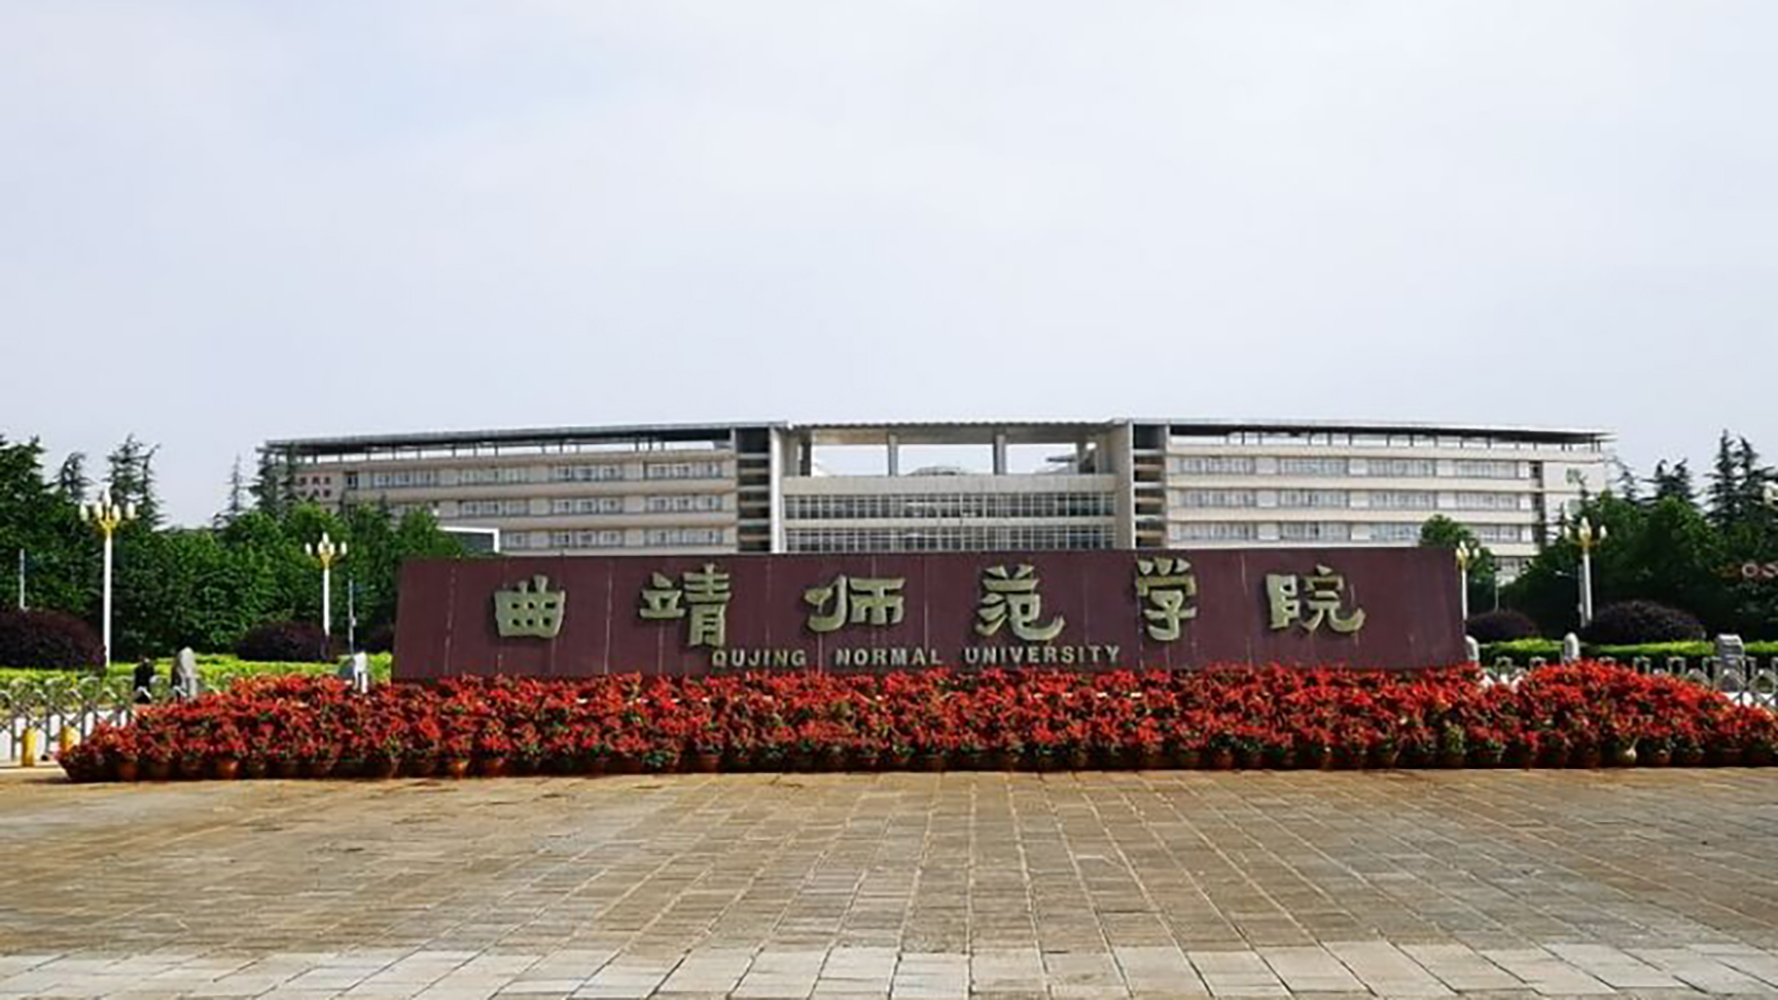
(911, 431)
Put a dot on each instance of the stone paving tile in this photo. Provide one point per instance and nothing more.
(1486, 883)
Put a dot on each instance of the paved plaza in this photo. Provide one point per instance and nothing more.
(1472, 883)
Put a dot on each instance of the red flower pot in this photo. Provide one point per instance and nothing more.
(1187, 760)
(323, 768)
(225, 768)
(254, 768)
(457, 767)
(381, 768)
(190, 768)
(706, 763)
(1222, 760)
(158, 770)
(421, 767)
(491, 767)
(1725, 757)
(932, 761)
(1658, 757)
(128, 770)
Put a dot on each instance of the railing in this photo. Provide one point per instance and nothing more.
(50, 703)
(1742, 678)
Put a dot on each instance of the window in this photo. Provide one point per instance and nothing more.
(946, 506)
(603, 472)
(684, 502)
(1395, 531)
(684, 536)
(1479, 468)
(1314, 498)
(1404, 499)
(516, 540)
(402, 478)
(1401, 468)
(351, 480)
(683, 470)
(1214, 465)
(493, 474)
(1314, 466)
(1315, 531)
(586, 505)
(948, 538)
(1502, 532)
(1488, 501)
(1213, 498)
(587, 539)
(1214, 531)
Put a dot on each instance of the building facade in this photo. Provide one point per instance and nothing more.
(782, 487)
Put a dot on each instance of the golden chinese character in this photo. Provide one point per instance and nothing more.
(707, 593)
(1327, 591)
(1012, 597)
(1325, 594)
(1166, 585)
(855, 601)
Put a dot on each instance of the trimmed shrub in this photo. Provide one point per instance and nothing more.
(1629, 622)
(48, 639)
(1505, 625)
(285, 642)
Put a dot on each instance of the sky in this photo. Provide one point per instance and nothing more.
(224, 222)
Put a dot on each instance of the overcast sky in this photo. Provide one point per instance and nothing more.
(223, 222)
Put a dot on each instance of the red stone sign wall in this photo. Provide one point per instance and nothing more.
(577, 616)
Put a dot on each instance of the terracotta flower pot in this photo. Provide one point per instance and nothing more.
(1757, 755)
(1587, 757)
(254, 768)
(706, 762)
(1221, 760)
(158, 770)
(421, 767)
(491, 767)
(323, 768)
(128, 770)
(1725, 757)
(1151, 759)
(282, 768)
(1187, 760)
(1385, 758)
(381, 768)
(225, 768)
(456, 767)
(932, 761)
(190, 768)
(1689, 756)
(1624, 755)
(1658, 757)
(1005, 760)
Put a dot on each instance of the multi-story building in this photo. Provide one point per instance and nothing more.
(1034, 485)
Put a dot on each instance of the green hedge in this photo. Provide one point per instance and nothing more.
(1521, 650)
(213, 669)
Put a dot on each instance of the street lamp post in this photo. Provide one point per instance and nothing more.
(1588, 538)
(326, 553)
(107, 515)
(1467, 554)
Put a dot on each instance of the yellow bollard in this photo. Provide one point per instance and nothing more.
(66, 740)
(29, 757)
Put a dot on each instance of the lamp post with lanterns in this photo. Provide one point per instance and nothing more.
(326, 553)
(107, 515)
(1588, 538)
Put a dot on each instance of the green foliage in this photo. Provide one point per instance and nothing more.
(214, 669)
(198, 587)
(1440, 531)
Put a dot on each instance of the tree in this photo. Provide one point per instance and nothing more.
(71, 481)
(130, 478)
(1726, 492)
(1628, 486)
(272, 492)
(1441, 532)
(1674, 482)
(235, 504)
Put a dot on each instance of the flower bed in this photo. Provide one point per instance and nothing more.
(1583, 715)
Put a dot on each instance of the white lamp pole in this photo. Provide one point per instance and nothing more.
(326, 553)
(1588, 538)
(107, 516)
(1467, 553)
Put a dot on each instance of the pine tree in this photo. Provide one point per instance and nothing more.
(236, 504)
(1725, 484)
(271, 485)
(130, 477)
(1674, 482)
(71, 481)
(1628, 486)
(1751, 478)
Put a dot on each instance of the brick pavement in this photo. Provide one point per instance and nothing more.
(1426, 884)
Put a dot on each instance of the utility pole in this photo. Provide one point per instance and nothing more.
(21, 579)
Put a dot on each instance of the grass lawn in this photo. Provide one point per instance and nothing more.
(213, 669)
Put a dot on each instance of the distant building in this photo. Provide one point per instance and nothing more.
(709, 489)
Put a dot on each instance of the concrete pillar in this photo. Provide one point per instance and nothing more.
(894, 448)
(805, 455)
(1000, 454)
